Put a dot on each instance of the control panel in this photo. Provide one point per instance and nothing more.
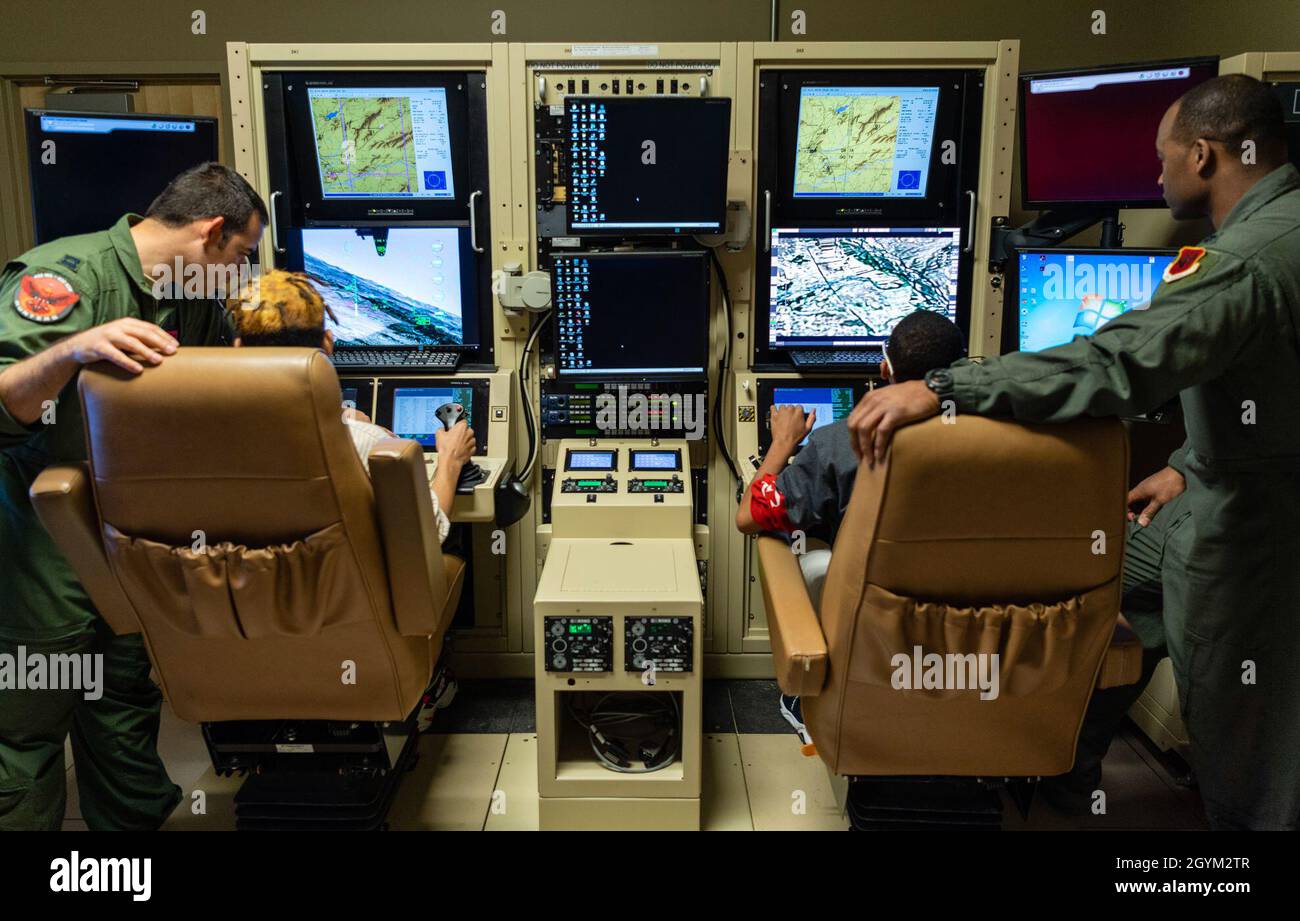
(606, 484)
(659, 484)
(579, 644)
(667, 642)
(622, 489)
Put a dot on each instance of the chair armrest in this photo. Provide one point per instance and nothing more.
(65, 504)
(1122, 662)
(417, 576)
(798, 645)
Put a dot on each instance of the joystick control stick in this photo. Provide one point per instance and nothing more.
(471, 474)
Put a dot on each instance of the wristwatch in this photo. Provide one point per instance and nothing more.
(941, 384)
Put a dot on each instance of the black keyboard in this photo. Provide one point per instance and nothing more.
(396, 358)
(813, 358)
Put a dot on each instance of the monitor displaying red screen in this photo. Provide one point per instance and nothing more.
(1089, 136)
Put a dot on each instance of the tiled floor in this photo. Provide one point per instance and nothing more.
(480, 772)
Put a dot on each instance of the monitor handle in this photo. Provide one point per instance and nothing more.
(275, 227)
(970, 224)
(473, 222)
(767, 220)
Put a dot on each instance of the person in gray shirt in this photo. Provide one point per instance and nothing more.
(805, 498)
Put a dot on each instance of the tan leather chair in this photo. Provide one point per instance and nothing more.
(225, 514)
(972, 537)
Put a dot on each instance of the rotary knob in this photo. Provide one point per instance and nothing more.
(557, 628)
(559, 661)
(638, 628)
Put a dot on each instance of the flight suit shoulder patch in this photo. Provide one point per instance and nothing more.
(44, 297)
(1186, 263)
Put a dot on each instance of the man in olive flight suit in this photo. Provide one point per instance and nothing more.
(65, 304)
(1223, 331)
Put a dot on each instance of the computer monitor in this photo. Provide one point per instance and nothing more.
(833, 400)
(379, 145)
(850, 287)
(1288, 93)
(408, 407)
(88, 169)
(864, 141)
(647, 165)
(631, 315)
(1088, 137)
(382, 141)
(396, 286)
(1064, 293)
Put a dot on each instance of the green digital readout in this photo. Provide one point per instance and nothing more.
(579, 628)
(589, 482)
(662, 483)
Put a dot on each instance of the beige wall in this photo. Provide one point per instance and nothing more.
(155, 42)
(1052, 32)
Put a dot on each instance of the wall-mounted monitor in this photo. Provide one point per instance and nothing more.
(648, 165)
(88, 169)
(1088, 136)
(1062, 293)
(631, 314)
(395, 286)
(850, 287)
(381, 145)
(864, 141)
(886, 146)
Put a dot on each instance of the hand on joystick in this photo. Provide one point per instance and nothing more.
(456, 445)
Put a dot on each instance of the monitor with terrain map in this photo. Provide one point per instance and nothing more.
(850, 287)
(382, 141)
(380, 147)
(864, 141)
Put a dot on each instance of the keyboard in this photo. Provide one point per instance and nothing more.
(396, 358)
(815, 358)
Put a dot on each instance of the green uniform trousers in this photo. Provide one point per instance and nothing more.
(1142, 606)
(120, 778)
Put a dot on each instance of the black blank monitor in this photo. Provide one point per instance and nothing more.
(1088, 137)
(88, 169)
(647, 165)
(631, 314)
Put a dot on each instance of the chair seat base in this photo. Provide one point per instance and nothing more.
(310, 775)
(923, 804)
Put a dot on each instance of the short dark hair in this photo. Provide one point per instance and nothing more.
(1232, 109)
(922, 341)
(205, 191)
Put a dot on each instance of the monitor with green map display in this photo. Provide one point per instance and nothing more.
(382, 142)
(864, 141)
(382, 146)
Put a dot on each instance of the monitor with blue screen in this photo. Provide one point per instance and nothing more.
(1064, 293)
(414, 410)
(833, 400)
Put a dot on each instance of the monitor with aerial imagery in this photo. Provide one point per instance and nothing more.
(850, 287)
(864, 141)
(382, 145)
(395, 286)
